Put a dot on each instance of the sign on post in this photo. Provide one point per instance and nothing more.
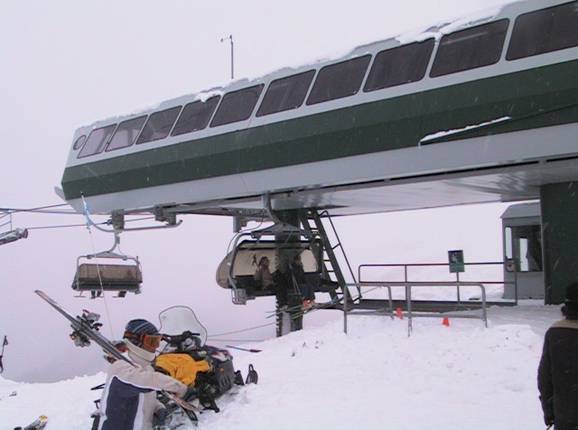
(456, 259)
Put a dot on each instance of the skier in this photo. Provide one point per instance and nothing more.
(558, 371)
(129, 399)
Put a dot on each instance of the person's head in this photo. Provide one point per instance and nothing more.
(263, 262)
(570, 308)
(142, 334)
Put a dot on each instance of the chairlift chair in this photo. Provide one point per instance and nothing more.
(96, 277)
(237, 269)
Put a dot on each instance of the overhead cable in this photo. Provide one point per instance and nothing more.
(46, 227)
(242, 330)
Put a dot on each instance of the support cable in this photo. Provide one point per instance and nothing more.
(242, 330)
(88, 223)
(84, 225)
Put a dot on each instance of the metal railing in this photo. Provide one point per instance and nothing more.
(410, 314)
(406, 267)
(407, 284)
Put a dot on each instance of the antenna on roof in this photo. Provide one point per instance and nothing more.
(230, 38)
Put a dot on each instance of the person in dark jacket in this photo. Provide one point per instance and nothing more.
(558, 370)
(307, 292)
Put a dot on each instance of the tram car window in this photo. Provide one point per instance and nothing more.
(544, 31)
(339, 80)
(126, 133)
(471, 48)
(286, 93)
(237, 105)
(79, 142)
(196, 116)
(96, 141)
(400, 65)
(159, 125)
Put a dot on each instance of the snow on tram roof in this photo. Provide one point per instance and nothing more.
(436, 31)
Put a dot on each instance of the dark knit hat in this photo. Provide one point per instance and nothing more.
(136, 329)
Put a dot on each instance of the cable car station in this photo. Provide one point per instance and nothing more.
(479, 111)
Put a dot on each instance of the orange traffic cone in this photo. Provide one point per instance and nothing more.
(446, 321)
(399, 313)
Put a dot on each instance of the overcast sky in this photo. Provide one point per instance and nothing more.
(69, 63)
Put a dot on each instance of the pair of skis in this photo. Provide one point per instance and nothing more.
(86, 330)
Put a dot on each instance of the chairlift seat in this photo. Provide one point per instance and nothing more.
(113, 277)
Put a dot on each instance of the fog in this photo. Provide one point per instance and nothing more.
(70, 63)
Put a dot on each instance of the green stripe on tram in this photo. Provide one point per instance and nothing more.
(534, 98)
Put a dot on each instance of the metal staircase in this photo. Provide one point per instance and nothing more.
(312, 222)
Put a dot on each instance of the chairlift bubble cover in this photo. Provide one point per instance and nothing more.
(178, 319)
(248, 253)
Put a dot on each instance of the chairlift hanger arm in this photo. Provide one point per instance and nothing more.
(109, 253)
(155, 227)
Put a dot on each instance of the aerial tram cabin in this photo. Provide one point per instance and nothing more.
(484, 109)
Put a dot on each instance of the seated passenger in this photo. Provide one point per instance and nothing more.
(263, 274)
(304, 286)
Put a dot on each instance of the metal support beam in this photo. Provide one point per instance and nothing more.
(292, 319)
(559, 205)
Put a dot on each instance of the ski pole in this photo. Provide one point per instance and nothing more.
(244, 349)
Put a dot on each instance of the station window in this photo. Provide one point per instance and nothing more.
(159, 125)
(286, 93)
(196, 116)
(400, 65)
(339, 80)
(97, 140)
(79, 142)
(544, 31)
(524, 246)
(126, 133)
(237, 106)
(471, 48)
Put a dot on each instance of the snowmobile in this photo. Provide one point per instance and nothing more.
(207, 370)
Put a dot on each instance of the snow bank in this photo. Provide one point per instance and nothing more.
(462, 376)
(68, 404)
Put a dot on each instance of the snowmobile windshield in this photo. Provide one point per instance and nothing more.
(179, 319)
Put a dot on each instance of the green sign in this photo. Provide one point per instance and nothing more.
(456, 259)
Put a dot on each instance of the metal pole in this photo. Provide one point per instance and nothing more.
(345, 297)
(408, 302)
(232, 57)
(458, 280)
(484, 310)
(516, 283)
(409, 314)
(232, 54)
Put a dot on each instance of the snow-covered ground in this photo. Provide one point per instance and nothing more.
(456, 377)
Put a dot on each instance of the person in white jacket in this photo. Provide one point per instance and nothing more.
(129, 398)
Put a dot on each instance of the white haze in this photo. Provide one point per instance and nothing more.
(70, 63)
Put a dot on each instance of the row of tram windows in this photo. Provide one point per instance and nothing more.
(534, 33)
